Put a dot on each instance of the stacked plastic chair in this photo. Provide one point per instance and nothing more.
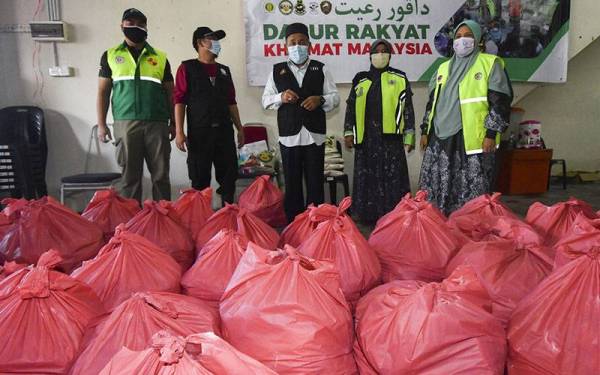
(23, 152)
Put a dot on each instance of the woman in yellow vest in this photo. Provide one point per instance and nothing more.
(468, 108)
(380, 124)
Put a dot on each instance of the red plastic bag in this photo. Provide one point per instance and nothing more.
(410, 327)
(264, 200)
(133, 323)
(511, 261)
(13, 207)
(583, 235)
(168, 354)
(45, 224)
(288, 312)
(303, 226)
(240, 220)
(159, 223)
(9, 268)
(468, 218)
(203, 353)
(218, 356)
(555, 221)
(338, 240)
(129, 263)
(554, 330)
(413, 241)
(43, 316)
(107, 209)
(5, 225)
(194, 208)
(209, 276)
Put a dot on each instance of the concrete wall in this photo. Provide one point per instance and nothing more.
(570, 113)
(70, 102)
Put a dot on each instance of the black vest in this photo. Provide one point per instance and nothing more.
(207, 104)
(291, 117)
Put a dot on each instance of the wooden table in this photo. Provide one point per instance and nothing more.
(524, 171)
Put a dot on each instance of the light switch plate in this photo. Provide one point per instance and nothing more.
(61, 71)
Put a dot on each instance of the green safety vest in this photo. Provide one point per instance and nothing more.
(393, 97)
(473, 95)
(138, 92)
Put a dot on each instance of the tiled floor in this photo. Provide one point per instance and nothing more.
(589, 192)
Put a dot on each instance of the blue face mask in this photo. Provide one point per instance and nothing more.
(215, 48)
(496, 35)
(298, 54)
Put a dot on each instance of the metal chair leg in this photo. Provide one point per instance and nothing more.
(62, 194)
(333, 192)
(346, 186)
(564, 171)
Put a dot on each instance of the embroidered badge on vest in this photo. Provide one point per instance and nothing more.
(282, 72)
(392, 82)
(440, 77)
(316, 68)
(152, 61)
(119, 59)
(478, 76)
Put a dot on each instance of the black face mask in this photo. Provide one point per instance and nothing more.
(135, 33)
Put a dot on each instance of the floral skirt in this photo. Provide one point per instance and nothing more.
(380, 176)
(451, 177)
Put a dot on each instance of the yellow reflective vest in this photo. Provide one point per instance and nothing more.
(138, 92)
(393, 98)
(473, 95)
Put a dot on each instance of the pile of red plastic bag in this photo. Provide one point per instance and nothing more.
(177, 288)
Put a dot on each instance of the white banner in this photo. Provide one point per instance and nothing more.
(525, 33)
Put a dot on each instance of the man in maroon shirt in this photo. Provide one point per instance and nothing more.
(204, 91)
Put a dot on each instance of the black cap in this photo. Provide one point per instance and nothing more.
(134, 13)
(378, 42)
(205, 32)
(296, 28)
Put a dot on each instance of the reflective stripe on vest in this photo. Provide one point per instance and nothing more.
(474, 106)
(393, 97)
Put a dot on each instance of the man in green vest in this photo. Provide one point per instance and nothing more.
(468, 109)
(140, 80)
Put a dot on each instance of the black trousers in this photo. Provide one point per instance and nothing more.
(208, 146)
(302, 163)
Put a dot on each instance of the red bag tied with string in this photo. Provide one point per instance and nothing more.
(338, 240)
(413, 242)
(264, 200)
(43, 317)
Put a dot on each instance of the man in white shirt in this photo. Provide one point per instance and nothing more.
(302, 91)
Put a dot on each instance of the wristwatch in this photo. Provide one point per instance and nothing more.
(322, 99)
